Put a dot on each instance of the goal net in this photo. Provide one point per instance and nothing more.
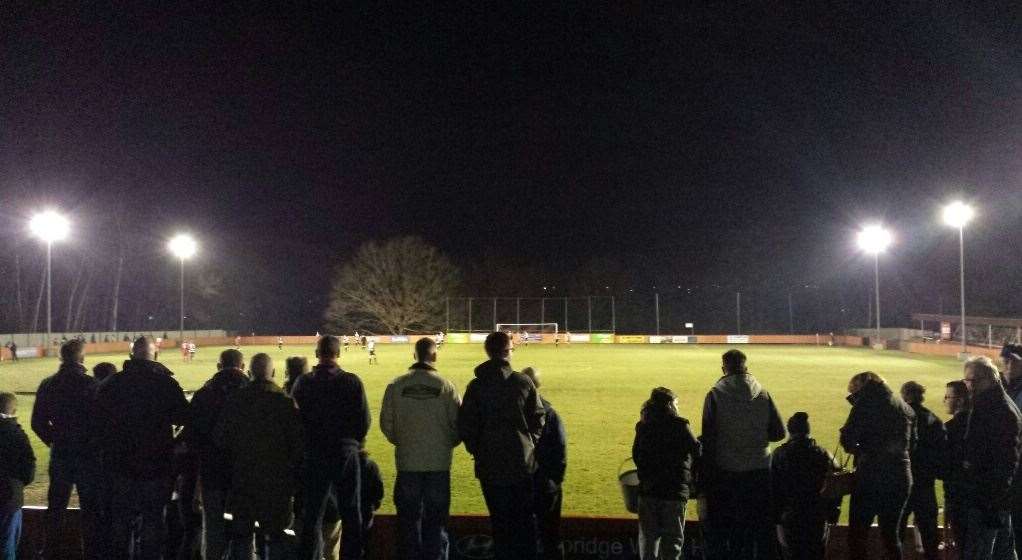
(533, 330)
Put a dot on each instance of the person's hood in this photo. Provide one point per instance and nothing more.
(494, 368)
(421, 366)
(739, 386)
(265, 385)
(136, 366)
(70, 368)
(228, 377)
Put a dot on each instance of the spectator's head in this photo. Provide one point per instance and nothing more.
(144, 348)
(1011, 357)
(103, 370)
(662, 403)
(328, 349)
(296, 367)
(231, 359)
(498, 345)
(861, 380)
(912, 392)
(8, 404)
(798, 424)
(533, 374)
(733, 363)
(956, 397)
(425, 350)
(981, 375)
(72, 352)
(261, 368)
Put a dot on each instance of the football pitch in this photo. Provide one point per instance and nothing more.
(597, 390)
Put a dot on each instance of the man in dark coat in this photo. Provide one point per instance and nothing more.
(552, 461)
(991, 456)
(138, 410)
(879, 432)
(17, 469)
(501, 420)
(663, 450)
(335, 416)
(1011, 356)
(926, 460)
(957, 404)
(262, 434)
(62, 418)
(214, 471)
(798, 470)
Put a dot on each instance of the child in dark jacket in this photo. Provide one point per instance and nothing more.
(17, 469)
(663, 452)
(372, 496)
(799, 469)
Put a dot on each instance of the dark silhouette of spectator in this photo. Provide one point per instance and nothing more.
(879, 432)
(420, 417)
(14, 350)
(262, 434)
(552, 459)
(1011, 357)
(335, 414)
(798, 470)
(372, 497)
(214, 470)
(739, 422)
(17, 469)
(62, 418)
(138, 410)
(957, 403)
(103, 370)
(663, 451)
(991, 456)
(926, 460)
(294, 368)
(501, 420)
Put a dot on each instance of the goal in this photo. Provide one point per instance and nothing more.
(531, 328)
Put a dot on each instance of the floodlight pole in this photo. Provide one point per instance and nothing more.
(589, 301)
(656, 305)
(961, 267)
(876, 276)
(181, 331)
(613, 316)
(565, 313)
(49, 295)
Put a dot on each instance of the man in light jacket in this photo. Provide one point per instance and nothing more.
(739, 422)
(420, 417)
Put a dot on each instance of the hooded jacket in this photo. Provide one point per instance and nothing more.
(663, 451)
(739, 422)
(501, 420)
(420, 417)
(139, 408)
(206, 410)
(880, 432)
(62, 416)
(798, 469)
(17, 464)
(552, 447)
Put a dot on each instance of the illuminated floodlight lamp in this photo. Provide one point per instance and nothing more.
(874, 239)
(50, 226)
(958, 214)
(183, 246)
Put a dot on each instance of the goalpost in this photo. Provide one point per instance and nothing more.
(531, 328)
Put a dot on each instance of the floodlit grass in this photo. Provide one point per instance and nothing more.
(597, 389)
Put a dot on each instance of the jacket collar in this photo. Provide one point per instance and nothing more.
(71, 369)
(420, 366)
(265, 385)
(136, 366)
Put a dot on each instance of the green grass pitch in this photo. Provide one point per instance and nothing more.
(597, 389)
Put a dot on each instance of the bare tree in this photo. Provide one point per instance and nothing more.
(398, 285)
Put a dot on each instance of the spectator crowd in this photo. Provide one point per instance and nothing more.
(249, 467)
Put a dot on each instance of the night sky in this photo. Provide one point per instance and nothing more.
(629, 145)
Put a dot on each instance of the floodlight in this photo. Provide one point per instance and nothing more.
(957, 214)
(50, 226)
(183, 246)
(874, 239)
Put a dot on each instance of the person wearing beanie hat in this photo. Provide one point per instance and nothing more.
(799, 468)
(926, 457)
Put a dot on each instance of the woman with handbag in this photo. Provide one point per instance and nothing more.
(879, 433)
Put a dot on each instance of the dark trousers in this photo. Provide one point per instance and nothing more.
(885, 500)
(136, 517)
(548, 500)
(1016, 528)
(513, 519)
(423, 501)
(805, 535)
(69, 471)
(338, 476)
(739, 524)
(922, 504)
